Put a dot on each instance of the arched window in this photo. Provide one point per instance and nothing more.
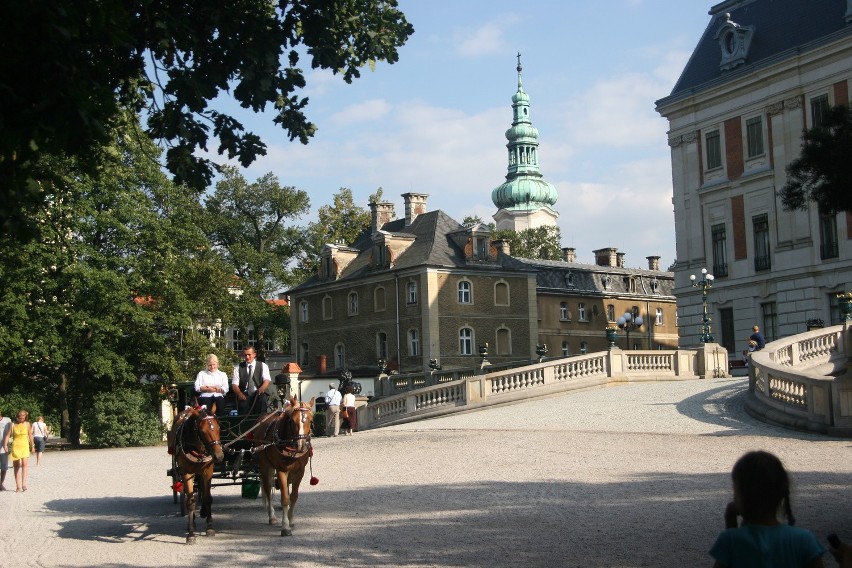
(504, 341)
(563, 311)
(353, 303)
(466, 341)
(339, 356)
(327, 312)
(303, 311)
(412, 293)
(413, 342)
(581, 311)
(379, 298)
(565, 349)
(659, 316)
(610, 312)
(501, 294)
(465, 292)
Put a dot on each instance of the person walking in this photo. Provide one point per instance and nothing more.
(332, 411)
(21, 436)
(40, 433)
(349, 405)
(5, 426)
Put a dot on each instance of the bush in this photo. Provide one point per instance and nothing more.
(122, 417)
(18, 399)
(319, 423)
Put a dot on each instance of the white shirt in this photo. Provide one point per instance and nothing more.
(215, 379)
(333, 397)
(264, 373)
(5, 424)
(39, 429)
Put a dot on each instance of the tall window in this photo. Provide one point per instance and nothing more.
(581, 311)
(464, 292)
(565, 349)
(303, 311)
(834, 315)
(610, 312)
(327, 311)
(466, 341)
(563, 311)
(720, 250)
(413, 342)
(819, 108)
(726, 323)
(770, 321)
(382, 345)
(353, 303)
(340, 356)
(828, 236)
(501, 294)
(583, 347)
(504, 342)
(713, 142)
(754, 136)
(379, 298)
(760, 223)
(412, 293)
(303, 354)
(659, 318)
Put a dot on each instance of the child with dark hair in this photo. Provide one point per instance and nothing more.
(761, 488)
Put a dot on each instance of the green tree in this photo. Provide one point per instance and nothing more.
(471, 220)
(247, 223)
(823, 172)
(68, 69)
(540, 242)
(342, 222)
(98, 299)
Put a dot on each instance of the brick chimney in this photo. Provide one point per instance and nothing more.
(569, 254)
(415, 204)
(606, 257)
(619, 259)
(653, 262)
(503, 246)
(380, 213)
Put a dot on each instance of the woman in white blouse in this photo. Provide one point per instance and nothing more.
(40, 432)
(211, 384)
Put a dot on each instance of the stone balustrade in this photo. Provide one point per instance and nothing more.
(405, 398)
(799, 382)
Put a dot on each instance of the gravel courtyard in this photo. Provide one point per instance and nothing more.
(633, 475)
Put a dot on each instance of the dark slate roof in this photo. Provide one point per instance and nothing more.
(552, 276)
(783, 28)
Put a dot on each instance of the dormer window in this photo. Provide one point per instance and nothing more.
(481, 248)
(734, 41)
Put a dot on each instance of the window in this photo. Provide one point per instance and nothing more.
(303, 311)
(834, 315)
(379, 299)
(819, 108)
(565, 349)
(563, 311)
(339, 356)
(482, 248)
(411, 295)
(413, 343)
(659, 319)
(236, 344)
(303, 354)
(720, 250)
(610, 312)
(770, 321)
(466, 341)
(583, 348)
(754, 136)
(504, 341)
(327, 267)
(327, 305)
(581, 311)
(828, 236)
(760, 223)
(464, 292)
(726, 324)
(353, 303)
(382, 345)
(713, 144)
(501, 294)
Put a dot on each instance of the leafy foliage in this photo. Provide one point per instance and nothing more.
(540, 242)
(122, 417)
(823, 172)
(69, 69)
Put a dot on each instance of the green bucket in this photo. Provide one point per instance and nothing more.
(251, 488)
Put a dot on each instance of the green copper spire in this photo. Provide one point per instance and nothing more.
(524, 188)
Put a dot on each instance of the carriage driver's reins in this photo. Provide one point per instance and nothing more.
(194, 455)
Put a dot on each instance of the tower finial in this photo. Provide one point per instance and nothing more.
(519, 62)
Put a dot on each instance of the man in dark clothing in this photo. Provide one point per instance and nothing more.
(758, 338)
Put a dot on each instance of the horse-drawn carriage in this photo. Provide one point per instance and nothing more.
(228, 449)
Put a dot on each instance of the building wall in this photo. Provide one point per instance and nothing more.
(799, 284)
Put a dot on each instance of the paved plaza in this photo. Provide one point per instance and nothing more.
(624, 476)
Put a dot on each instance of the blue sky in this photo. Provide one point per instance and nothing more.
(434, 122)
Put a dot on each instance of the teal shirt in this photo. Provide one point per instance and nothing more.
(759, 546)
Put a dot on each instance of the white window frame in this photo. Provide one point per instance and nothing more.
(466, 341)
(465, 292)
(303, 311)
(413, 342)
(411, 293)
(581, 311)
(352, 303)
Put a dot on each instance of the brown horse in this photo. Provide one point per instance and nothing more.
(194, 442)
(283, 446)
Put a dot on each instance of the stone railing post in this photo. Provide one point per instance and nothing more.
(617, 364)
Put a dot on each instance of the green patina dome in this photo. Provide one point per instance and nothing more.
(524, 193)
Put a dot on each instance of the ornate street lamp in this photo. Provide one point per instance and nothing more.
(705, 283)
(541, 351)
(611, 336)
(628, 323)
(382, 365)
(434, 365)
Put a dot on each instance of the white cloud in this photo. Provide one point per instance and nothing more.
(365, 111)
(484, 40)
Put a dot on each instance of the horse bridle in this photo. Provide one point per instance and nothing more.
(207, 448)
(295, 438)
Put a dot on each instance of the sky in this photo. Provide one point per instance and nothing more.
(435, 121)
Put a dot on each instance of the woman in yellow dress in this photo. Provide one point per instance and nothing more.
(23, 444)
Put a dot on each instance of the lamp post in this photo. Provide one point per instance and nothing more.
(705, 283)
(541, 351)
(628, 323)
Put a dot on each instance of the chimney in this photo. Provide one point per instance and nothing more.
(619, 259)
(380, 213)
(503, 246)
(569, 254)
(606, 257)
(653, 262)
(415, 204)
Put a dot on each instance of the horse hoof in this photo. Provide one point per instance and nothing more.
(190, 540)
(210, 532)
(286, 532)
(273, 521)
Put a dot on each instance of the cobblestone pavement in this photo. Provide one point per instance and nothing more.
(632, 475)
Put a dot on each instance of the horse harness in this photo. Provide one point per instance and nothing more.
(195, 455)
(288, 445)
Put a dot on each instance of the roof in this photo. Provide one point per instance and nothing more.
(782, 28)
